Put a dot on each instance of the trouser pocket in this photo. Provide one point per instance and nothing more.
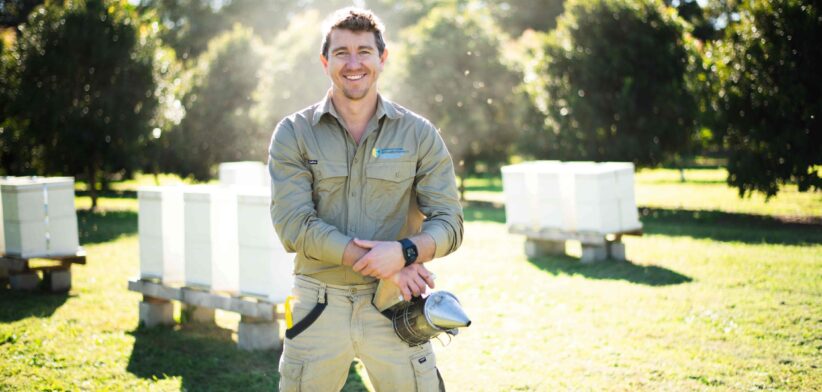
(425, 372)
(317, 308)
(291, 374)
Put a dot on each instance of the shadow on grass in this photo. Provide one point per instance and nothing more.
(103, 226)
(205, 358)
(111, 194)
(731, 227)
(17, 305)
(610, 270)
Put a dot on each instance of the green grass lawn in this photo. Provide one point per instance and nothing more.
(720, 294)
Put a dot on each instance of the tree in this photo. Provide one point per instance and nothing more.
(218, 125)
(611, 80)
(86, 92)
(15, 12)
(770, 96)
(516, 16)
(282, 90)
(451, 71)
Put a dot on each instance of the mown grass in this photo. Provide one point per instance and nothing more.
(715, 297)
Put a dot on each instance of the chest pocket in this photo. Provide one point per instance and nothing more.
(387, 188)
(329, 186)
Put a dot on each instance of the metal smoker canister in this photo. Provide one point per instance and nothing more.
(427, 317)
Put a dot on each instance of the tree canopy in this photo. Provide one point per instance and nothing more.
(451, 71)
(611, 81)
(770, 96)
(86, 89)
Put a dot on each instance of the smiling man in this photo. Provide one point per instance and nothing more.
(362, 189)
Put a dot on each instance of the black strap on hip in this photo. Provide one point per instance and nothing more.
(303, 324)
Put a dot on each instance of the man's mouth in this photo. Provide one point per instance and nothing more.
(354, 77)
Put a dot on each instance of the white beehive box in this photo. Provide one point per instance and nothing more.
(61, 217)
(245, 174)
(266, 269)
(517, 190)
(160, 226)
(596, 197)
(38, 216)
(628, 213)
(211, 254)
(546, 194)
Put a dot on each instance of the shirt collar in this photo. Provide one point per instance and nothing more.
(384, 108)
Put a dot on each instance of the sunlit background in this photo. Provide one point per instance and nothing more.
(716, 102)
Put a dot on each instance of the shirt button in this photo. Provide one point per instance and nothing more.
(397, 174)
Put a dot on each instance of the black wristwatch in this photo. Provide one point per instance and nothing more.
(409, 251)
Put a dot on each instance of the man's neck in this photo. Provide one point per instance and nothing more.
(355, 113)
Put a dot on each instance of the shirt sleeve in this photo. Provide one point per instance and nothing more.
(292, 209)
(437, 194)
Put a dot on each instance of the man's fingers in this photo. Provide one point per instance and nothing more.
(364, 243)
(361, 263)
(406, 293)
(429, 278)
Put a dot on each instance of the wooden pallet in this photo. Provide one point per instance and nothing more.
(258, 329)
(23, 273)
(596, 246)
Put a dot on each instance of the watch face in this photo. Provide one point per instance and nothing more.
(410, 253)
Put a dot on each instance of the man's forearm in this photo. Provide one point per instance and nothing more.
(425, 247)
(352, 253)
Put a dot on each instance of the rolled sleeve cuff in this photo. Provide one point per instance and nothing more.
(442, 241)
(335, 247)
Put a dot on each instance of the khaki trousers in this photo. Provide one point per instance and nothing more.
(318, 359)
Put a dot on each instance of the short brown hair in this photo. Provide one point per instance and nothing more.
(353, 19)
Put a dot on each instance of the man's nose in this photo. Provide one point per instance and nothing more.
(354, 61)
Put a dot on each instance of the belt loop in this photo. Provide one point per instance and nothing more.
(321, 298)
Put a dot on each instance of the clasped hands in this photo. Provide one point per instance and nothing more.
(384, 260)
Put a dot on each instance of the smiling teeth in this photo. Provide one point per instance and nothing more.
(355, 77)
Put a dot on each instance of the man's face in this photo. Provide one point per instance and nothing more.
(353, 63)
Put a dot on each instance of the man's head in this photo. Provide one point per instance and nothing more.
(353, 53)
(356, 20)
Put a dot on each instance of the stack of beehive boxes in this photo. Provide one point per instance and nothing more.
(265, 267)
(571, 197)
(38, 217)
(160, 226)
(210, 216)
(215, 237)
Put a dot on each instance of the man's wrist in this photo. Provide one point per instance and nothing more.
(409, 251)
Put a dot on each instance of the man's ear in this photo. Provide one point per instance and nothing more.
(384, 56)
(324, 62)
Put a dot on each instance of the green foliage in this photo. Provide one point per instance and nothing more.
(611, 80)
(282, 90)
(769, 97)
(452, 73)
(218, 126)
(86, 91)
(15, 12)
(516, 16)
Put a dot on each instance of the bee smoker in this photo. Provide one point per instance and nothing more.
(418, 321)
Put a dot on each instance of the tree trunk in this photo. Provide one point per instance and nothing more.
(682, 174)
(91, 184)
(462, 185)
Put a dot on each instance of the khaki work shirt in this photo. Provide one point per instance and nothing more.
(326, 189)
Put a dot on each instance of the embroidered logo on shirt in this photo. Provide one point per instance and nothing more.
(388, 153)
(312, 161)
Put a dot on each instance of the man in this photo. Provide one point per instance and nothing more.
(362, 190)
